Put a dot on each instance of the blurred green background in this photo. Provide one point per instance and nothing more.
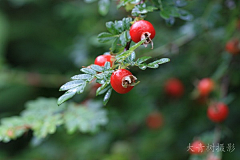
(45, 42)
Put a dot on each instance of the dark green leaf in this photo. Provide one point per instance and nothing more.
(107, 96)
(82, 76)
(169, 11)
(103, 7)
(97, 68)
(88, 71)
(71, 84)
(105, 37)
(66, 96)
(143, 59)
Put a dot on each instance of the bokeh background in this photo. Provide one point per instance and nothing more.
(45, 42)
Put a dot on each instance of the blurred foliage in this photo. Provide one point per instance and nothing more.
(43, 43)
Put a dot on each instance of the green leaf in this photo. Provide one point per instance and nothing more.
(156, 63)
(96, 68)
(124, 38)
(81, 88)
(104, 90)
(66, 96)
(152, 65)
(143, 59)
(105, 37)
(100, 76)
(11, 128)
(88, 71)
(126, 23)
(107, 65)
(71, 84)
(82, 77)
(142, 66)
(142, 9)
(132, 56)
(114, 44)
(102, 87)
(103, 7)
(85, 119)
(107, 96)
(111, 28)
(185, 15)
(169, 11)
(160, 61)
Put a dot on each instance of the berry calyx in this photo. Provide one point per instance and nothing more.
(142, 29)
(174, 87)
(217, 112)
(102, 59)
(122, 81)
(205, 86)
(154, 120)
(197, 147)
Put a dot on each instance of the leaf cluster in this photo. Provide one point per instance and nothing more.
(43, 117)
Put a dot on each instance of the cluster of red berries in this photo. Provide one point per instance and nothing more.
(122, 80)
(217, 112)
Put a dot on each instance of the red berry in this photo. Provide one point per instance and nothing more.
(122, 81)
(217, 112)
(197, 147)
(102, 59)
(140, 30)
(174, 87)
(233, 46)
(211, 156)
(205, 86)
(154, 120)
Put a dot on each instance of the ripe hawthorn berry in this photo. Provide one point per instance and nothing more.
(122, 81)
(102, 59)
(142, 29)
(174, 87)
(154, 120)
(205, 86)
(233, 46)
(197, 147)
(217, 112)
